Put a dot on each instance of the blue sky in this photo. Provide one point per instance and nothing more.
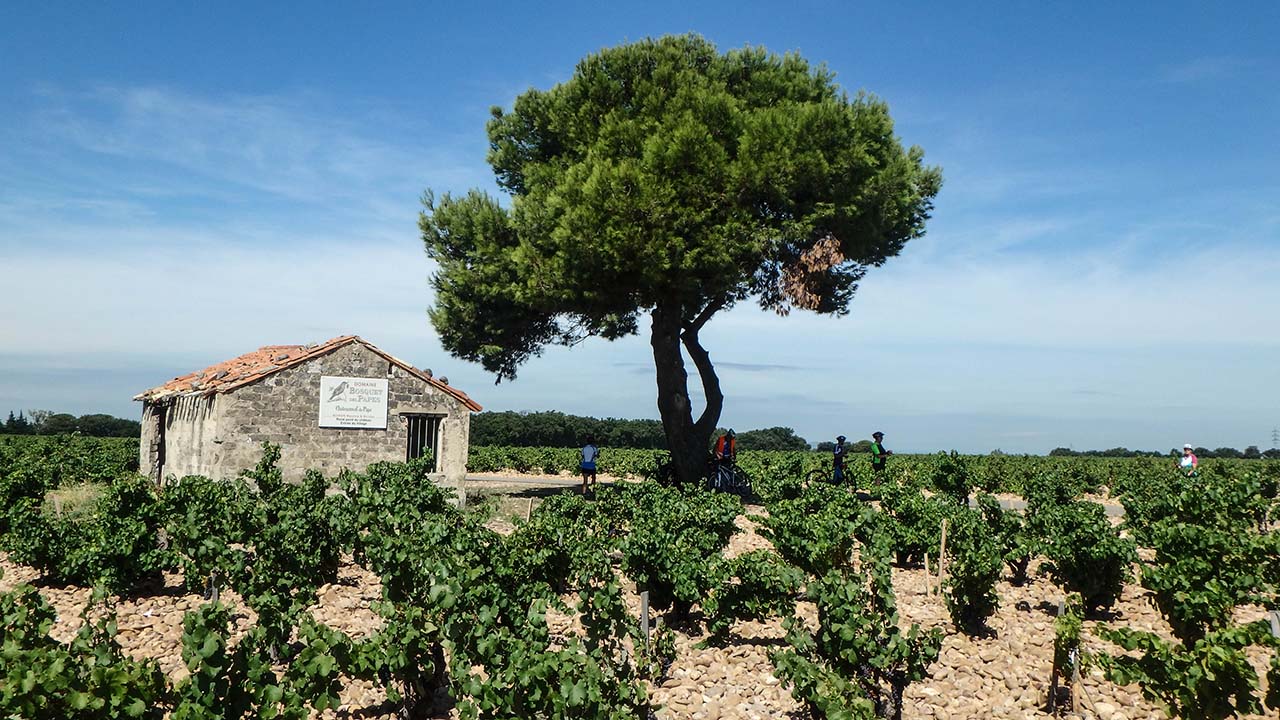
(180, 185)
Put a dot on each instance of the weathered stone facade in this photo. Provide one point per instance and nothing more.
(216, 432)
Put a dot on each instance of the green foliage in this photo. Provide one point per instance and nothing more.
(654, 659)
(204, 519)
(89, 677)
(913, 522)
(952, 478)
(464, 609)
(1067, 657)
(1208, 679)
(859, 662)
(68, 459)
(1201, 573)
(664, 178)
(757, 585)
(1218, 497)
(387, 499)
(619, 462)
(1211, 557)
(527, 677)
(673, 541)
(774, 438)
(824, 691)
(558, 430)
(972, 572)
(1045, 492)
(780, 474)
(1009, 530)
(816, 531)
(1085, 553)
(116, 545)
(628, 195)
(16, 424)
(43, 422)
(292, 546)
(564, 544)
(226, 684)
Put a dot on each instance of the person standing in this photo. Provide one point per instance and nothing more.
(837, 461)
(878, 452)
(726, 452)
(1189, 463)
(588, 466)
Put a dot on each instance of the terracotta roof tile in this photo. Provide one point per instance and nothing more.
(253, 366)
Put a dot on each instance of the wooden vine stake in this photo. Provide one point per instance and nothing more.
(1071, 682)
(1075, 682)
(1055, 671)
(644, 616)
(528, 510)
(942, 557)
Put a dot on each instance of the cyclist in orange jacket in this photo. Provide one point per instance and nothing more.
(726, 453)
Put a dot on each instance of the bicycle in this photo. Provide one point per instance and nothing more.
(728, 478)
(823, 475)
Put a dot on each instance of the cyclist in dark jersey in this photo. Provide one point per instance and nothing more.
(837, 460)
(878, 453)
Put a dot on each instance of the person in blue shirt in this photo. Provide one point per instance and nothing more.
(837, 460)
(588, 465)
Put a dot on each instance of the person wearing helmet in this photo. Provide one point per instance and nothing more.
(878, 453)
(1189, 463)
(726, 453)
(837, 460)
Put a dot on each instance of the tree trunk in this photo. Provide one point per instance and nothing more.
(687, 440)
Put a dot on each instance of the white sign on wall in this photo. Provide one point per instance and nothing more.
(349, 402)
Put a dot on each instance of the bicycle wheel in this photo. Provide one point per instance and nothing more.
(716, 479)
(818, 475)
(741, 483)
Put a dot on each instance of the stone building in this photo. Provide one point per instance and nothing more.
(340, 404)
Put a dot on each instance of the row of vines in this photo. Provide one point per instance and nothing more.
(771, 470)
(464, 609)
(74, 459)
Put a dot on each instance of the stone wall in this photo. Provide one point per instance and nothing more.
(190, 437)
(283, 408)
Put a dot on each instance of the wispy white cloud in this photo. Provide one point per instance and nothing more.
(1202, 69)
(212, 225)
(157, 144)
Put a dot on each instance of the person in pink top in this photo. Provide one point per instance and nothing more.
(1189, 462)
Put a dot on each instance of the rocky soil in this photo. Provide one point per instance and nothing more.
(1005, 675)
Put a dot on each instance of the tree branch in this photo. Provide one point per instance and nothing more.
(706, 423)
(696, 324)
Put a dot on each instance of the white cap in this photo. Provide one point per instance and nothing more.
(1186, 446)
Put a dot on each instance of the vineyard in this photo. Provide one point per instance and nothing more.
(923, 595)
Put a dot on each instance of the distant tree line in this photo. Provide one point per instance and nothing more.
(556, 429)
(44, 422)
(860, 446)
(1250, 453)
